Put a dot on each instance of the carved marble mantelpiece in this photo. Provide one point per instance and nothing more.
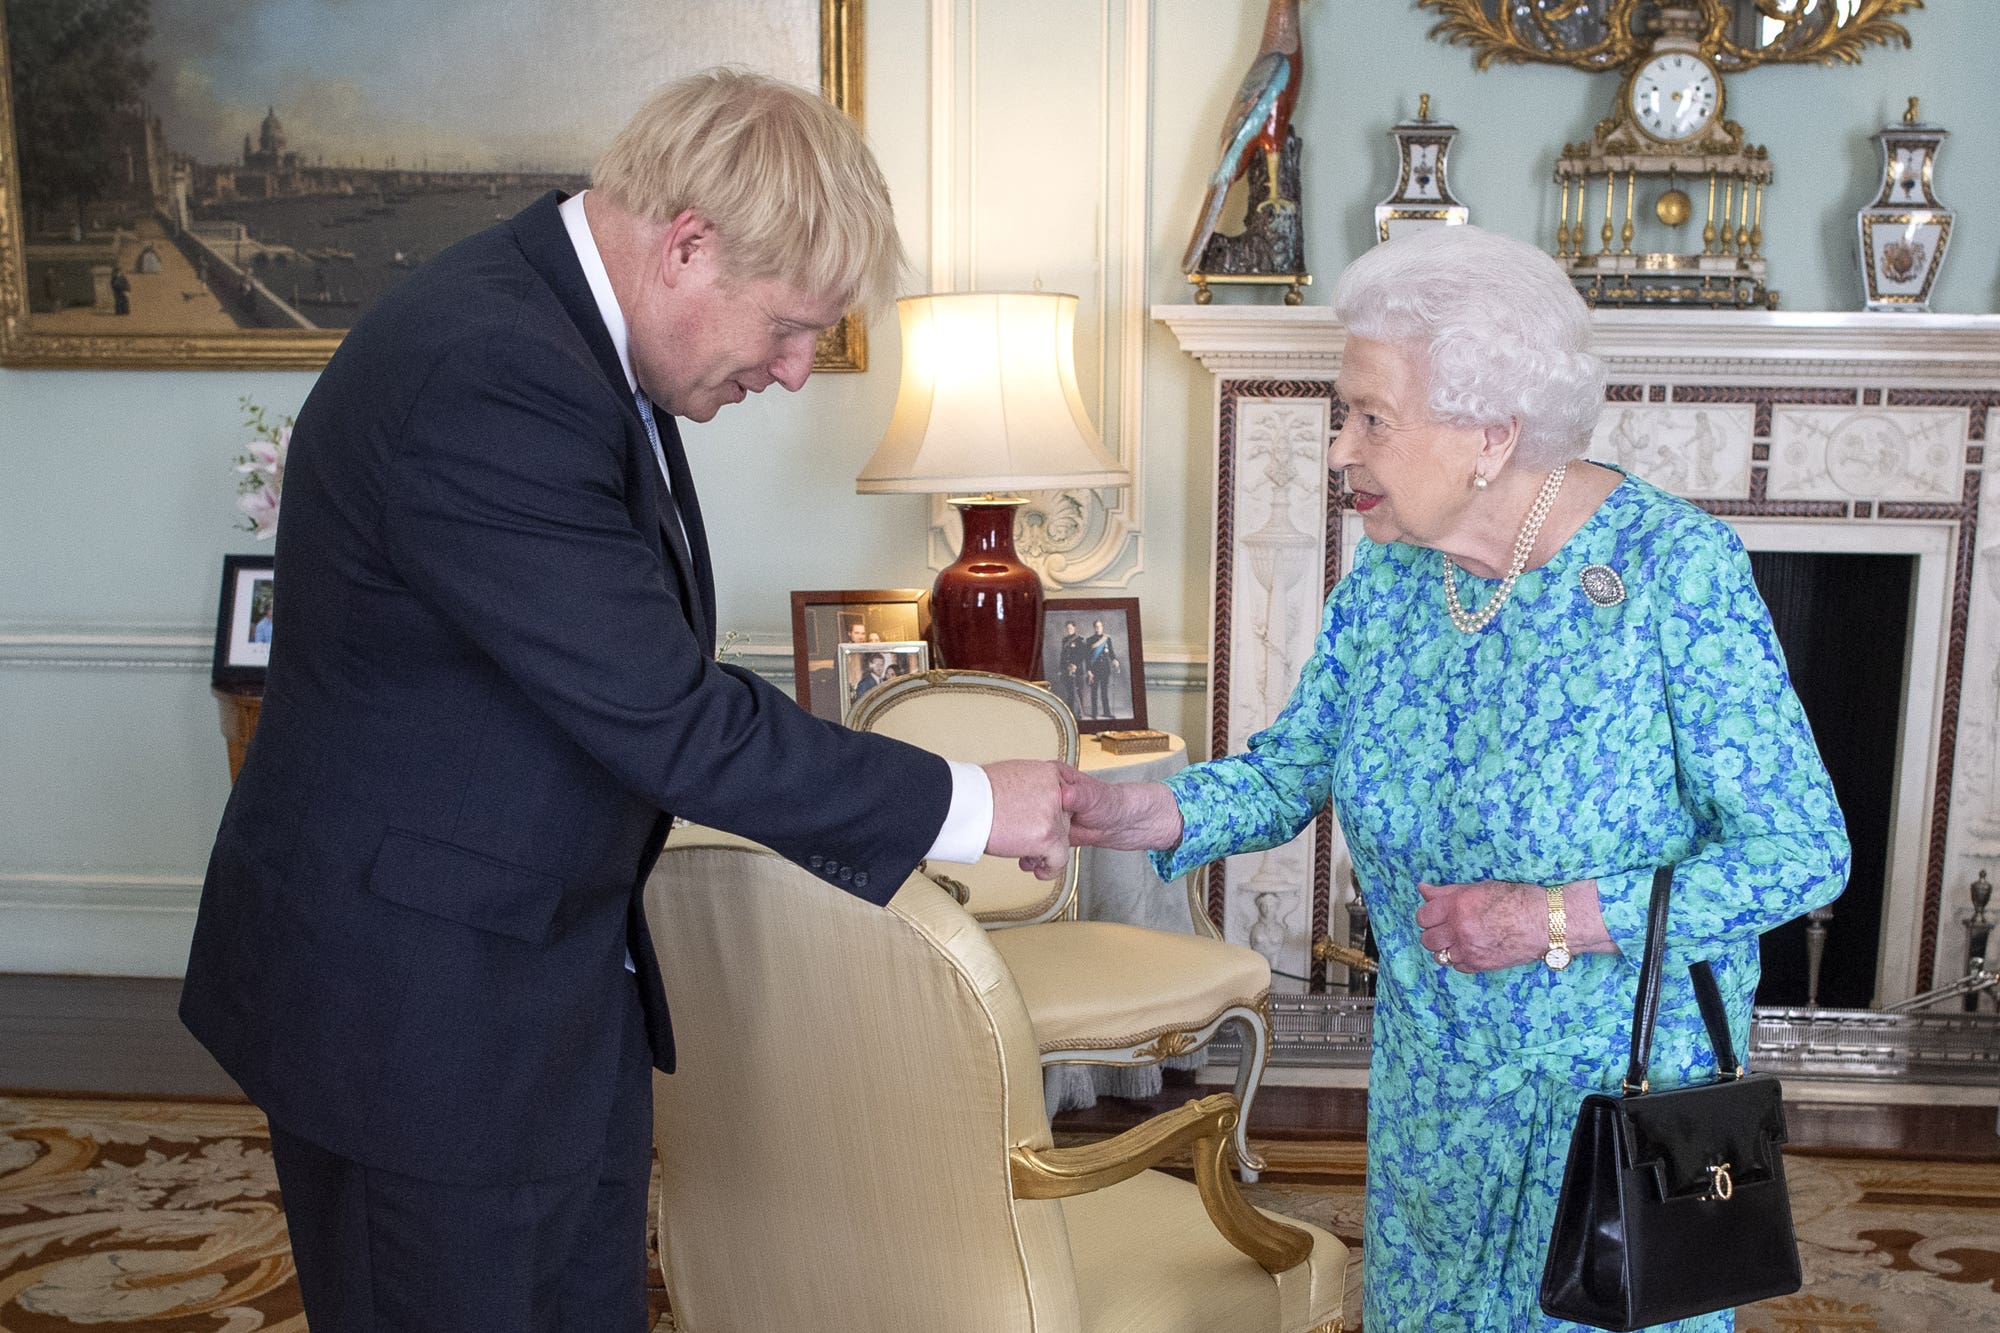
(1816, 432)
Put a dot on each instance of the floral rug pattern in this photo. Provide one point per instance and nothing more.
(165, 1217)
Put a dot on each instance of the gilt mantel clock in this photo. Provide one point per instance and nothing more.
(1668, 153)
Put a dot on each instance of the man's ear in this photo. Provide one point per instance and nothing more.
(687, 244)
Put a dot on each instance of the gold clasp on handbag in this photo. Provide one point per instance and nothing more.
(1720, 1186)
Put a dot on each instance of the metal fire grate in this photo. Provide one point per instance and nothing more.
(1924, 1047)
(1332, 1032)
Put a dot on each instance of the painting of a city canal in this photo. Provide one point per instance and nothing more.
(217, 168)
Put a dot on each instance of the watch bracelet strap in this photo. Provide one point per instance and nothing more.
(1558, 920)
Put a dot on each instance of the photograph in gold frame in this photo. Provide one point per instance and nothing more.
(118, 254)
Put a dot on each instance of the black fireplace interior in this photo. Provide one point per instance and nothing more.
(1843, 621)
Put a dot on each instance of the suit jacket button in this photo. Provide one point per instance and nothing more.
(861, 880)
(846, 873)
(815, 861)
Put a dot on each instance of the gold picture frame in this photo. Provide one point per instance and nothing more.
(101, 284)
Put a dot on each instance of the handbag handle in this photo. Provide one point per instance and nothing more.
(1646, 1005)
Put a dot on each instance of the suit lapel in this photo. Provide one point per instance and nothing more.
(544, 240)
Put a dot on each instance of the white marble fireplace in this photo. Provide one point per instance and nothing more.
(1851, 433)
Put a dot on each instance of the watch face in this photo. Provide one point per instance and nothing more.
(1557, 958)
(1675, 95)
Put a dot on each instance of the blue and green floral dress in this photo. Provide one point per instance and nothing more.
(1568, 740)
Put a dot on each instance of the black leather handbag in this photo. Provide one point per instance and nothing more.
(1673, 1203)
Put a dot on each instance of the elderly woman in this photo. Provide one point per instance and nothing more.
(1542, 679)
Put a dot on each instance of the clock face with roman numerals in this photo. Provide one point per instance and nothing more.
(1675, 96)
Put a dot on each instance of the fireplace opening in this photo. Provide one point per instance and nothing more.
(1843, 620)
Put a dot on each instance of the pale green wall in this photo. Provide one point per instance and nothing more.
(115, 489)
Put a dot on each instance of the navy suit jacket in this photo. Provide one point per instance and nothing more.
(493, 677)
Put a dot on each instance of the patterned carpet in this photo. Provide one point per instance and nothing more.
(164, 1217)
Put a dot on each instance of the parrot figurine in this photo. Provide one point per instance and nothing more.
(1259, 121)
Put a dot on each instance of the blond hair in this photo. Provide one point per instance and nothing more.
(785, 177)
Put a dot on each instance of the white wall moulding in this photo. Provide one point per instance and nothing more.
(105, 648)
(1011, 85)
(97, 925)
(1806, 432)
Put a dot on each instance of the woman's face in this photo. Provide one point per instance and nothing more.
(1411, 476)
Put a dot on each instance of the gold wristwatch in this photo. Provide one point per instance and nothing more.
(1558, 955)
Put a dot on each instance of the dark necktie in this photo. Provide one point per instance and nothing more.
(680, 517)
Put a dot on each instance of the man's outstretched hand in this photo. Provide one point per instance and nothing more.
(1029, 822)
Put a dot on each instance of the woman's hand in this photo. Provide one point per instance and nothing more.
(1124, 816)
(1496, 924)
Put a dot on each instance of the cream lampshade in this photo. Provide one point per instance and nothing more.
(988, 404)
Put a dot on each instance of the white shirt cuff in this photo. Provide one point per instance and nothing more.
(968, 825)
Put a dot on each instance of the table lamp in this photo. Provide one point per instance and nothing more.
(988, 406)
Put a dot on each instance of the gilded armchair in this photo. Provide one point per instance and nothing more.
(1098, 992)
(855, 1141)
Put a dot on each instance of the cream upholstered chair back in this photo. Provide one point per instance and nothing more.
(977, 717)
(834, 1146)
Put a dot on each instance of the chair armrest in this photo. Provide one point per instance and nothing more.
(1205, 1128)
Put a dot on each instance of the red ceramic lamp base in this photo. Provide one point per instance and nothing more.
(986, 607)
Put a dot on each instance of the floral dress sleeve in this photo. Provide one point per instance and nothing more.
(1769, 842)
(1266, 796)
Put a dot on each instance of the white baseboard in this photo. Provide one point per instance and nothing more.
(97, 925)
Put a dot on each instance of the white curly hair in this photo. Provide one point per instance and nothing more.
(1504, 333)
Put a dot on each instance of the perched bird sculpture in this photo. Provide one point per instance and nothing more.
(1254, 134)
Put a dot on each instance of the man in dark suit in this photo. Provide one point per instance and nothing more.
(1070, 668)
(420, 948)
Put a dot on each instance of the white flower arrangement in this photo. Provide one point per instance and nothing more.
(261, 466)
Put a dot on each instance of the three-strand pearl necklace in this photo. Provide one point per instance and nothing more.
(1471, 622)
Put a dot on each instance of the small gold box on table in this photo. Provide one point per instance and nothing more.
(1131, 742)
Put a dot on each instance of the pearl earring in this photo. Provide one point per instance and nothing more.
(1479, 480)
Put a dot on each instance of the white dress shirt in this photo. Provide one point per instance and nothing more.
(969, 822)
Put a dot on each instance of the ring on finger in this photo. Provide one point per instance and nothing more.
(1443, 956)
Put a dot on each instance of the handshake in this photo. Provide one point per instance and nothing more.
(1041, 809)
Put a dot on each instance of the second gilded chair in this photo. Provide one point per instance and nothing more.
(1097, 992)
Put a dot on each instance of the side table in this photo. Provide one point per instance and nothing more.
(1121, 886)
(240, 707)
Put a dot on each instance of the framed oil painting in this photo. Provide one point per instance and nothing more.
(825, 623)
(1094, 661)
(217, 183)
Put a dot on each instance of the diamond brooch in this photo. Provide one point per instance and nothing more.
(1602, 585)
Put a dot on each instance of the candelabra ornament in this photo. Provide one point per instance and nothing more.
(1979, 974)
(1816, 930)
(1357, 955)
(1904, 232)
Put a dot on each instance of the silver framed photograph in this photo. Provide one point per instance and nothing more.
(863, 666)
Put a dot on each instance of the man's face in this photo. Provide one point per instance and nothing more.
(703, 338)
(1097, 625)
